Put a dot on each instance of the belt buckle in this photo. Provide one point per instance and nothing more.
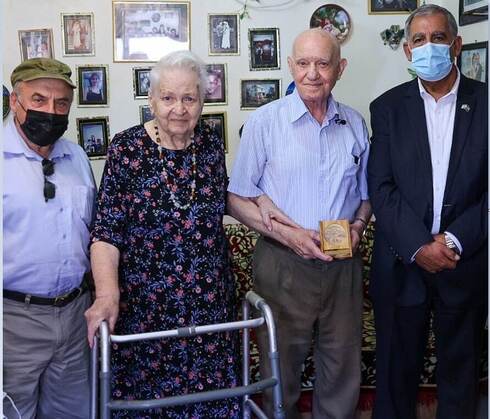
(62, 300)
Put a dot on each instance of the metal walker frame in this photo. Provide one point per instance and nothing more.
(106, 404)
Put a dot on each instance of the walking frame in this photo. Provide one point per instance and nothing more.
(106, 404)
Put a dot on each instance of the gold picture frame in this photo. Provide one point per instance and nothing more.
(258, 92)
(34, 43)
(224, 34)
(217, 87)
(78, 34)
(144, 31)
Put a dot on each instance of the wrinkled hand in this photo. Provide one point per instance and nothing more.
(103, 308)
(269, 211)
(305, 243)
(355, 236)
(436, 256)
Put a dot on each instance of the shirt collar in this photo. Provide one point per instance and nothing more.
(15, 144)
(453, 92)
(298, 107)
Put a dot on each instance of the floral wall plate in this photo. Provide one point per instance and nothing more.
(334, 19)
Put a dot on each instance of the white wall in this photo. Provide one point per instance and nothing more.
(372, 68)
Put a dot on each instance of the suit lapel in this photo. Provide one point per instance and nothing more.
(465, 107)
(414, 108)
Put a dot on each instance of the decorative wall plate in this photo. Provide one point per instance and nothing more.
(333, 19)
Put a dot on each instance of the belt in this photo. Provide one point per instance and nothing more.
(60, 301)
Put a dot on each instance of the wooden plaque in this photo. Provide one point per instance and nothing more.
(335, 238)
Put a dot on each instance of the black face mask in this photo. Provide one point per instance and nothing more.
(43, 128)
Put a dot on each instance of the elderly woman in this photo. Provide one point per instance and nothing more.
(159, 254)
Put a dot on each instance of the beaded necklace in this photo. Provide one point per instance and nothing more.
(170, 185)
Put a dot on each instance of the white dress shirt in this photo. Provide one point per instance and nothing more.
(439, 117)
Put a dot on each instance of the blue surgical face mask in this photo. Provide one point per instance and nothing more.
(432, 62)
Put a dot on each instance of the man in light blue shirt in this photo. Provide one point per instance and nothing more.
(48, 198)
(302, 159)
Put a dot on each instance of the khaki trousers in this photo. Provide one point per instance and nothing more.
(46, 360)
(312, 299)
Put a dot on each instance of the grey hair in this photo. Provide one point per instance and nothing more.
(182, 60)
(431, 9)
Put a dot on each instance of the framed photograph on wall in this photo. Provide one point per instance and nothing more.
(378, 7)
(147, 30)
(93, 135)
(216, 121)
(473, 61)
(472, 11)
(216, 90)
(35, 43)
(145, 114)
(264, 49)
(224, 34)
(93, 89)
(78, 34)
(141, 82)
(255, 93)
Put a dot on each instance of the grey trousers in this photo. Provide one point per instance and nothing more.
(46, 360)
(312, 299)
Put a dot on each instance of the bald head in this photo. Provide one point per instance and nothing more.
(325, 39)
(315, 65)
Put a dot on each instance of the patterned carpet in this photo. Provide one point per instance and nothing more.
(242, 242)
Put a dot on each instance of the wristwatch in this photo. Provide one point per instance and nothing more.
(450, 243)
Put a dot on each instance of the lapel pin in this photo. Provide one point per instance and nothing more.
(465, 107)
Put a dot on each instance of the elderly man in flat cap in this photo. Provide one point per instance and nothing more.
(48, 198)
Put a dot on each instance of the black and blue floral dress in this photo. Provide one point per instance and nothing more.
(173, 271)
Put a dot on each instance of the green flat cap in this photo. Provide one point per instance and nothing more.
(42, 68)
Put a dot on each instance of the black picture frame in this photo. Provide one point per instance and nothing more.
(145, 114)
(258, 92)
(472, 14)
(216, 121)
(473, 61)
(93, 90)
(93, 135)
(141, 82)
(264, 49)
(384, 7)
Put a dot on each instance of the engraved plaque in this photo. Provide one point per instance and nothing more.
(335, 238)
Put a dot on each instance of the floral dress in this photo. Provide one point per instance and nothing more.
(173, 271)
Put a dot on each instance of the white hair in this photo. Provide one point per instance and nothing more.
(182, 60)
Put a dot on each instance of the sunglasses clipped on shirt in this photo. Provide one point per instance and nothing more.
(49, 189)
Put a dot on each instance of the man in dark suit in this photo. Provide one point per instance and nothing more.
(427, 178)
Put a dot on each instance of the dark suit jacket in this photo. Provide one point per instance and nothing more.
(400, 190)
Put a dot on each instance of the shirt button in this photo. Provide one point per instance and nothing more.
(64, 236)
(65, 262)
(61, 209)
